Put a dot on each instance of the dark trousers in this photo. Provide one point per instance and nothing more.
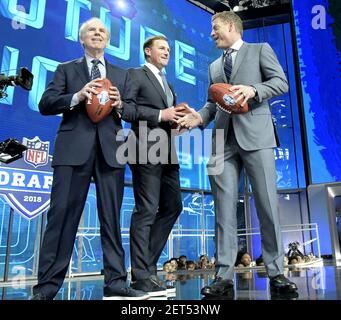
(158, 204)
(69, 192)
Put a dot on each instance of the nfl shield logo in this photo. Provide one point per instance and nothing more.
(25, 189)
(103, 97)
(229, 100)
(37, 153)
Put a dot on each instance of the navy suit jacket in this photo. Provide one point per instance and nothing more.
(76, 136)
(150, 98)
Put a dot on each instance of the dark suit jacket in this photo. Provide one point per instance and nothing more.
(76, 135)
(150, 99)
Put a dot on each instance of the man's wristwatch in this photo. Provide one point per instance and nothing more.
(254, 90)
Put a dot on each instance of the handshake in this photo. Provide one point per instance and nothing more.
(182, 117)
(228, 98)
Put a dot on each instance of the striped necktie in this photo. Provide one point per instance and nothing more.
(95, 73)
(228, 64)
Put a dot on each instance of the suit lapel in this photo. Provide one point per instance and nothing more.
(174, 94)
(156, 84)
(239, 59)
(110, 71)
(82, 70)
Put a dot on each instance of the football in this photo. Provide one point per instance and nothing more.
(184, 108)
(222, 95)
(99, 106)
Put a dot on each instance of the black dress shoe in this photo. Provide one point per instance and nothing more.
(150, 286)
(170, 288)
(284, 295)
(39, 296)
(219, 287)
(282, 285)
(230, 296)
(156, 279)
(124, 293)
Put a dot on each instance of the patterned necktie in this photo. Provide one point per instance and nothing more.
(228, 64)
(167, 90)
(95, 73)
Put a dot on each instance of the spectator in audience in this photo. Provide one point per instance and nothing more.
(243, 259)
(182, 263)
(204, 262)
(191, 266)
(167, 266)
(246, 260)
(174, 264)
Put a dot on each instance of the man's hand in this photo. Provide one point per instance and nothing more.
(243, 93)
(88, 90)
(191, 120)
(171, 114)
(115, 96)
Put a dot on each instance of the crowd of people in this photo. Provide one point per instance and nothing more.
(244, 259)
(182, 263)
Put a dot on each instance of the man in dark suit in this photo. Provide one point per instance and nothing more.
(84, 150)
(249, 138)
(156, 183)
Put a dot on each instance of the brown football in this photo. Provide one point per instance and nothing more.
(222, 95)
(99, 106)
(184, 108)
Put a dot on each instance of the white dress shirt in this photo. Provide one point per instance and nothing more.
(102, 70)
(156, 73)
(236, 47)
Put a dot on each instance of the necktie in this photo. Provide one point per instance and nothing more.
(228, 64)
(167, 90)
(95, 73)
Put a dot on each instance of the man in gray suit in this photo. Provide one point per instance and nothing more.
(249, 140)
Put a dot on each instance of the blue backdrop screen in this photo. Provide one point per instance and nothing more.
(319, 45)
(40, 34)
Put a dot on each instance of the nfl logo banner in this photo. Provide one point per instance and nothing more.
(25, 184)
(37, 153)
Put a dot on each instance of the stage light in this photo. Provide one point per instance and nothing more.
(241, 5)
(245, 5)
(121, 4)
(231, 4)
(119, 8)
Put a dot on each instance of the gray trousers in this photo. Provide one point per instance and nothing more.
(260, 168)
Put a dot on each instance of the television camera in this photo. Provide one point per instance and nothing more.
(11, 149)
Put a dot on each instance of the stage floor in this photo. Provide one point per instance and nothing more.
(314, 283)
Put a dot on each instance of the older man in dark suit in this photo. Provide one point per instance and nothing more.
(84, 150)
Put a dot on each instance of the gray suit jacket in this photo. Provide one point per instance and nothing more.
(256, 65)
